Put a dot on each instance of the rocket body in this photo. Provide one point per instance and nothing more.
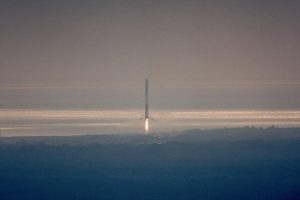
(146, 98)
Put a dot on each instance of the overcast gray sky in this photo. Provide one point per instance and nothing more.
(198, 54)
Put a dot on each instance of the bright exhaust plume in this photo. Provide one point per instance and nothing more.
(146, 125)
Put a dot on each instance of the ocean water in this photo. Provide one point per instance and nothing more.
(42, 122)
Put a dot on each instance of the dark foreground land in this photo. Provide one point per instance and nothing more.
(246, 163)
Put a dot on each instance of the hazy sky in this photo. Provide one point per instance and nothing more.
(198, 54)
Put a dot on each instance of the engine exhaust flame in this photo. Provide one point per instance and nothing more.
(146, 125)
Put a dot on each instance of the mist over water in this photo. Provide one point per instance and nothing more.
(106, 108)
(28, 122)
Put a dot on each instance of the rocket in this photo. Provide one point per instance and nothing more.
(146, 99)
(146, 115)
